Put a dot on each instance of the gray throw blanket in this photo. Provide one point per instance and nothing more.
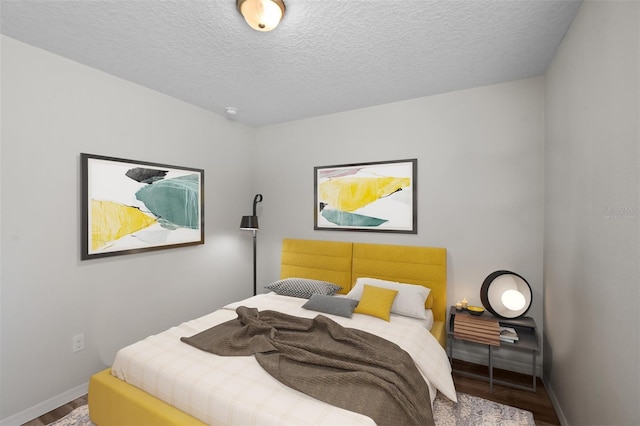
(345, 367)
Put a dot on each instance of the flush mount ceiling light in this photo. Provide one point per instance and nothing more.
(261, 15)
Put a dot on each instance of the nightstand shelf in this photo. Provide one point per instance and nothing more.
(528, 340)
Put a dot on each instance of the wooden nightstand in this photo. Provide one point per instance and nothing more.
(527, 339)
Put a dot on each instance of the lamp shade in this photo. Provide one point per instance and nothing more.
(249, 223)
(261, 15)
(506, 294)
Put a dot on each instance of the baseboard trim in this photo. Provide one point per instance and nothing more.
(45, 406)
(554, 401)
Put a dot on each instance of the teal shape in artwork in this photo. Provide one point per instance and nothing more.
(341, 218)
(174, 200)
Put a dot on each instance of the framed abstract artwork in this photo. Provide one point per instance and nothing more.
(134, 206)
(378, 197)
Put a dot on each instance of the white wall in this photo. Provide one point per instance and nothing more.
(481, 162)
(480, 183)
(52, 110)
(592, 231)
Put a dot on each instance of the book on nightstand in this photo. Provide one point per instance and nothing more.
(508, 334)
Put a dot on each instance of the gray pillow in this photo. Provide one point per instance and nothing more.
(342, 306)
(303, 287)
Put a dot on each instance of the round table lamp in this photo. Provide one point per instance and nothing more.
(506, 294)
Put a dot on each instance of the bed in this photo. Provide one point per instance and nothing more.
(162, 381)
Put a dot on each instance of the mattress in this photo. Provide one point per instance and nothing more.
(236, 390)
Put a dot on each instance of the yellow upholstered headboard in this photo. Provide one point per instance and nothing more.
(318, 260)
(426, 266)
(343, 263)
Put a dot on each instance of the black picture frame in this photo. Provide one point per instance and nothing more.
(371, 197)
(131, 206)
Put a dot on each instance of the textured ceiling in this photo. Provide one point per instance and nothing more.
(326, 56)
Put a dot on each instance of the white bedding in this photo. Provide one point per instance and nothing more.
(236, 390)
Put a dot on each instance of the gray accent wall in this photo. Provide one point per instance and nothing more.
(592, 217)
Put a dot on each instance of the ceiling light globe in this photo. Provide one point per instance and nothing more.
(261, 15)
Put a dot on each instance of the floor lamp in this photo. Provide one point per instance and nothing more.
(250, 223)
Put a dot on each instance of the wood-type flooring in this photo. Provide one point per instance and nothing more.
(537, 402)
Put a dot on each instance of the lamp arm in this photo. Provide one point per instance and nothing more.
(257, 199)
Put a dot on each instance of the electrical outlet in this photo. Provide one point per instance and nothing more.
(78, 342)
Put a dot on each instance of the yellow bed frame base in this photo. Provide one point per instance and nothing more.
(113, 402)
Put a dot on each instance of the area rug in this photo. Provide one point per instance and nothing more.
(471, 411)
(78, 417)
(468, 411)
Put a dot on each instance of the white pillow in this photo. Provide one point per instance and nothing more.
(408, 302)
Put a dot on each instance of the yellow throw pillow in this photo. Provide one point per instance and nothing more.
(376, 301)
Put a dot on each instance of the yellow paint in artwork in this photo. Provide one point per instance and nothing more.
(351, 193)
(111, 221)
